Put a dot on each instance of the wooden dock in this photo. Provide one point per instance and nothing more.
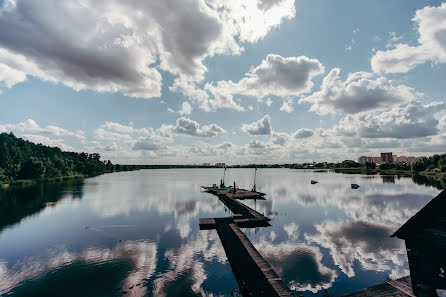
(252, 272)
(244, 216)
(399, 288)
(240, 194)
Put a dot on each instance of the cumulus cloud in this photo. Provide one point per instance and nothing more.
(287, 106)
(279, 138)
(431, 25)
(150, 143)
(257, 144)
(359, 92)
(48, 141)
(31, 126)
(260, 127)
(276, 75)
(120, 128)
(186, 109)
(303, 133)
(190, 90)
(186, 126)
(406, 121)
(115, 46)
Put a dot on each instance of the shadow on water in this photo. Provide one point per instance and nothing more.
(17, 203)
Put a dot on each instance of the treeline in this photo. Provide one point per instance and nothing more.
(24, 160)
(435, 163)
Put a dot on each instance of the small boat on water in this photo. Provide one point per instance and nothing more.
(313, 182)
(355, 186)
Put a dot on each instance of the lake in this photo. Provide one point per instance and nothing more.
(137, 232)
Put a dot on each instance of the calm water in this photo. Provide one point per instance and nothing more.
(137, 232)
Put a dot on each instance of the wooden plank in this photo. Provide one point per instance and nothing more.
(253, 273)
(400, 288)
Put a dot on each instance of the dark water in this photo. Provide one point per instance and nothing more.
(137, 232)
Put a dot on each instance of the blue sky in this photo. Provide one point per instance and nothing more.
(225, 81)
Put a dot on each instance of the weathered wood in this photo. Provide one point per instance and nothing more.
(400, 288)
(253, 273)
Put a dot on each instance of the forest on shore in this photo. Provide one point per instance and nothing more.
(23, 160)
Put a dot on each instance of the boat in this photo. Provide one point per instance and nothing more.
(314, 182)
(355, 186)
(233, 191)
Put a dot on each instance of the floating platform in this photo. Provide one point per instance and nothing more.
(244, 216)
(400, 288)
(240, 194)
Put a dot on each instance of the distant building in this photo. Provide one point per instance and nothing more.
(365, 159)
(404, 159)
(207, 164)
(220, 165)
(386, 157)
(389, 158)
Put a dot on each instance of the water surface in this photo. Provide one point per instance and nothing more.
(137, 233)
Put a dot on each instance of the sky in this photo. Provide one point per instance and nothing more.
(235, 81)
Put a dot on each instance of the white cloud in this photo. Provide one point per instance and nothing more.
(190, 90)
(186, 126)
(268, 102)
(431, 24)
(405, 121)
(150, 143)
(252, 20)
(359, 92)
(186, 109)
(48, 141)
(280, 138)
(115, 46)
(120, 128)
(287, 105)
(257, 144)
(260, 127)
(31, 126)
(276, 75)
(10, 76)
(303, 133)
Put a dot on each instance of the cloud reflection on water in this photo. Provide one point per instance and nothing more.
(298, 265)
(141, 255)
(370, 244)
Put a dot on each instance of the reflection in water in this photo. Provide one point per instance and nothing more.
(370, 244)
(49, 273)
(433, 181)
(298, 265)
(389, 179)
(142, 229)
(17, 203)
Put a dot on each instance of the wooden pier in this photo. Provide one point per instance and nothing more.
(244, 216)
(399, 288)
(252, 272)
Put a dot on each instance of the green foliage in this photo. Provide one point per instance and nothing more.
(435, 163)
(21, 159)
(350, 164)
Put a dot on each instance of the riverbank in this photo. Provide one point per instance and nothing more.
(429, 178)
